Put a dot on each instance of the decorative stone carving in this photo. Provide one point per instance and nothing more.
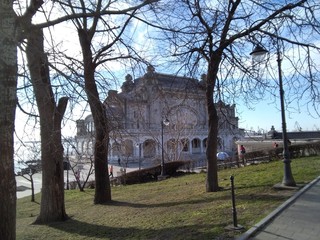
(128, 85)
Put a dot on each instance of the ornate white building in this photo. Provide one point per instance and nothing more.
(138, 112)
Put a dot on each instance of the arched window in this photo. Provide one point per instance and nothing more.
(195, 143)
(185, 144)
(149, 148)
(127, 148)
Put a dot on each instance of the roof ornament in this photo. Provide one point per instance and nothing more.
(128, 85)
(150, 69)
(128, 78)
(150, 75)
(203, 77)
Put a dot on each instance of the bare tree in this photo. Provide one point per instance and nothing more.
(77, 160)
(51, 114)
(27, 170)
(103, 23)
(29, 163)
(213, 36)
(52, 206)
(8, 99)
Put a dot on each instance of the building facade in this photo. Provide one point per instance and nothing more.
(160, 115)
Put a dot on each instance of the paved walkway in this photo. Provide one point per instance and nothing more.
(296, 219)
(24, 186)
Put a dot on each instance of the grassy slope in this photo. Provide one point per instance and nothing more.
(178, 208)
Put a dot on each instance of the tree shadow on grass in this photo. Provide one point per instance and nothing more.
(208, 199)
(91, 230)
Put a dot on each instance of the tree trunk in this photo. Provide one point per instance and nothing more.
(102, 186)
(8, 100)
(212, 184)
(32, 188)
(103, 189)
(52, 206)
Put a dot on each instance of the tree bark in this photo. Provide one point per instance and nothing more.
(8, 100)
(32, 188)
(52, 206)
(102, 186)
(212, 184)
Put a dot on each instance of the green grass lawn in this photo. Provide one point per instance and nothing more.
(177, 208)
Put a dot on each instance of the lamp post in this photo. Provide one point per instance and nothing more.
(67, 158)
(164, 122)
(258, 55)
(139, 152)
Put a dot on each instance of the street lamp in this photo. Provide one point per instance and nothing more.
(164, 122)
(258, 55)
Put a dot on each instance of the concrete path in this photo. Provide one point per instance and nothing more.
(24, 186)
(296, 219)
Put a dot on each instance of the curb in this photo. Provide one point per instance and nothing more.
(276, 212)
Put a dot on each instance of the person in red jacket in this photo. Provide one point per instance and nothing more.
(242, 153)
(111, 171)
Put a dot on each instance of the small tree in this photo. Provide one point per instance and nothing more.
(76, 168)
(76, 160)
(27, 170)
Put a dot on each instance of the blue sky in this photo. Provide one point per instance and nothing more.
(265, 115)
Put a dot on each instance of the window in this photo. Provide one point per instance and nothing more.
(185, 145)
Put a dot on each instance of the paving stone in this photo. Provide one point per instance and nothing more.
(298, 219)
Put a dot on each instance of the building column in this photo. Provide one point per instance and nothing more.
(201, 145)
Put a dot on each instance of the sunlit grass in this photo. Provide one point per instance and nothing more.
(177, 208)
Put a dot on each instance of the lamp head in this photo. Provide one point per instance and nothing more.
(258, 53)
(166, 122)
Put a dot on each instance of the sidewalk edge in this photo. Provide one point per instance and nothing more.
(276, 212)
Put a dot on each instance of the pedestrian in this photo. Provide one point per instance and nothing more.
(119, 162)
(77, 175)
(111, 171)
(242, 153)
(277, 150)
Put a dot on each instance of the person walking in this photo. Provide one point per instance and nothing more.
(111, 171)
(242, 153)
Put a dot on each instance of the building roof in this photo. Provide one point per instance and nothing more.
(165, 81)
(173, 81)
